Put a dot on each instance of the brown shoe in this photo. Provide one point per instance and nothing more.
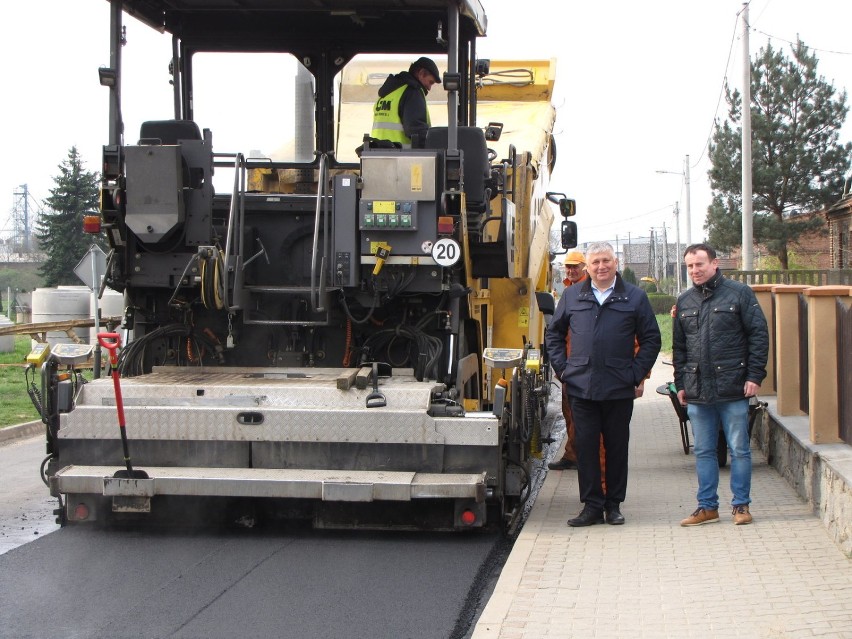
(741, 515)
(701, 516)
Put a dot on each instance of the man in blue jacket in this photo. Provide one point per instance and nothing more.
(606, 318)
(720, 344)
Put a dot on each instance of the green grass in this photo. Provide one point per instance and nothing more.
(15, 404)
(665, 322)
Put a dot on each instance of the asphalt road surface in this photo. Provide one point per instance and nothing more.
(26, 507)
(80, 582)
(291, 581)
(283, 582)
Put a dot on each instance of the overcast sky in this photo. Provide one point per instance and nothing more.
(638, 87)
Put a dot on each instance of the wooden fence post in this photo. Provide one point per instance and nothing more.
(823, 389)
(763, 292)
(787, 366)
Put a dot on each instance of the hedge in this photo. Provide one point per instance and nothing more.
(662, 304)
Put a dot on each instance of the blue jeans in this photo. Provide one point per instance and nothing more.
(705, 420)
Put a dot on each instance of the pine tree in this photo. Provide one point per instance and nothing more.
(60, 231)
(798, 165)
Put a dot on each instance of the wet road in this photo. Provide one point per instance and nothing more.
(287, 581)
(290, 581)
(80, 582)
(26, 507)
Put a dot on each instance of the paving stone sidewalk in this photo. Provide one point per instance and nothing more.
(781, 577)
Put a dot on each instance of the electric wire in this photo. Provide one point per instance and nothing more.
(721, 92)
(131, 359)
(192, 260)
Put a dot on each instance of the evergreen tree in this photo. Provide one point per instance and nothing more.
(798, 165)
(60, 231)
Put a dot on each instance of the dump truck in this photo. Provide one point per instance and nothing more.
(316, 326)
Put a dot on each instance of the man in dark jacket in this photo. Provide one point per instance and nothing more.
(575, 273)
(400, 114)
(720, 345)
(605, 317)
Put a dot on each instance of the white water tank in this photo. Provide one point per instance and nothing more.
(7, 342)
(111, 304)
(61, 304)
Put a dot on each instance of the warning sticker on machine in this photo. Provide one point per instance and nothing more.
(416, 178)
(524, 316)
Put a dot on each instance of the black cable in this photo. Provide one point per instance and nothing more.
(41, 471)
(365, 319)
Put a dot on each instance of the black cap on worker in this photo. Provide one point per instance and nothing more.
(429, 65)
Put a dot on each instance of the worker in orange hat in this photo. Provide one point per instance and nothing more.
(575, 272)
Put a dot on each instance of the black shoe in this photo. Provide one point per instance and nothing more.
(614, 516)
(588, 517)
(563, 464)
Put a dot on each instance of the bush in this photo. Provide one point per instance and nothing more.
(662, 304)
(648, 287)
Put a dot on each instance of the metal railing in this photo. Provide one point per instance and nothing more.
(807, 277)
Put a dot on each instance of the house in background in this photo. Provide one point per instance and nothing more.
(811, 250)
(650, 257)
(839, 218)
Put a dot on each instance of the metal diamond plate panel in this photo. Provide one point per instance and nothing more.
(267, 405)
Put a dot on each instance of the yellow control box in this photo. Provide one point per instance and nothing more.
(533, 361)
(38, 354)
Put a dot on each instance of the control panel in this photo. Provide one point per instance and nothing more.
(387, 215)
(38, 354)
(72, 354)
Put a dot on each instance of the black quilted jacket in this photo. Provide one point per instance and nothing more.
(720, 341)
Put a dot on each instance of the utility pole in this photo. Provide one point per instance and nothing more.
(652, 254)
(688, 212)
(746, 148)
(677, 246)
(685, 175)
(21, 220)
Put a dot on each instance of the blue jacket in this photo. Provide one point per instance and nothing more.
(603, 363)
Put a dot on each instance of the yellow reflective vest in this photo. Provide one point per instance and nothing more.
(387, 121)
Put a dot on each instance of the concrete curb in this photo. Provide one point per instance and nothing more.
(21, 431)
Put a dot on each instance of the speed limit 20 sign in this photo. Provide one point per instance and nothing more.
(446, 251)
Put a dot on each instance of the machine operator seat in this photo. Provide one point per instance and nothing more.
(477, 170)
(173, 132)
(168, 131)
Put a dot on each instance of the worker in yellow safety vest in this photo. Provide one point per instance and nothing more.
(400, 114)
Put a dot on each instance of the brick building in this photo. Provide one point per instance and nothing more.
(839, 217)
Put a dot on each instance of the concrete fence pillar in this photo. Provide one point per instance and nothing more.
(823, 351)
(763, 292)
(787, 336)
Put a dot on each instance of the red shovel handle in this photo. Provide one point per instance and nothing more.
(111, 342)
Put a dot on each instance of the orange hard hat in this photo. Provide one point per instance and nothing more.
(575, 257)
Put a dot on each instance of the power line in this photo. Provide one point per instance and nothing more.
(628, 219)
(721, 92)
(813, 49)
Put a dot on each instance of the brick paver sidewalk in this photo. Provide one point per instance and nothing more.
(782, 576)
